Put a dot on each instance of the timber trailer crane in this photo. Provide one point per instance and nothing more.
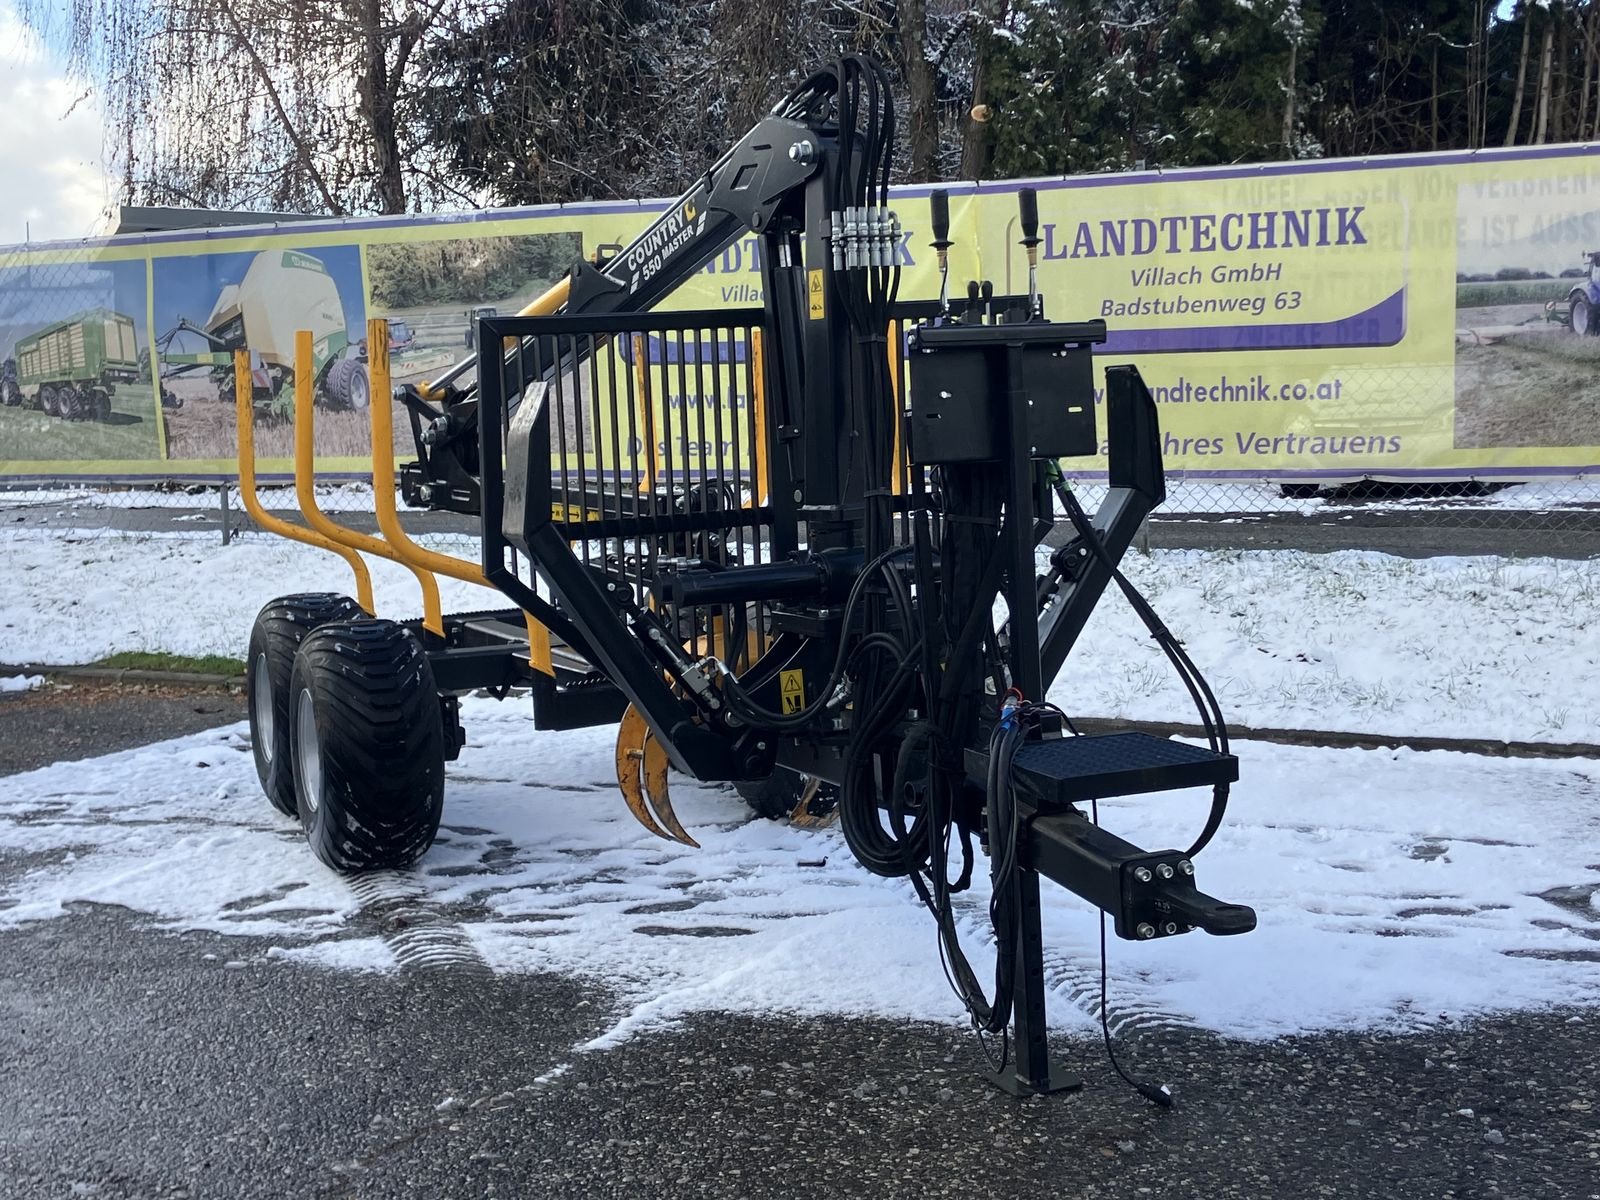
(771, 542)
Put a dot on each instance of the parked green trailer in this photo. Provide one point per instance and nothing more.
(70, 369)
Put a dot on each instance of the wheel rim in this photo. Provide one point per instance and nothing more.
(307, 753)
(1580, 317)
(261, 709)
(360, 389)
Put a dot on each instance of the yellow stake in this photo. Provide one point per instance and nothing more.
(383, 489)
(758, 407)
(897, 483)
(244, 412)
(646, 411)
(305, 470)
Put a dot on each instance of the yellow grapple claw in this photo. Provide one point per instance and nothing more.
(642, 776)
(631, 737)
(655, 788)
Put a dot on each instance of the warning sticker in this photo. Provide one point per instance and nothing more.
(815, 288)
(793, 686)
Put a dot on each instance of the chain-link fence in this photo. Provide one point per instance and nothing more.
(1556, 517)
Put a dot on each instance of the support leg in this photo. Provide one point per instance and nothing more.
(1029, 1073)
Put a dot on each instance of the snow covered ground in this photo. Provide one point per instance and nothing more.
(1481, 647)
(1395, 889)
(1469, 647)
(64, 600)
(88, 498)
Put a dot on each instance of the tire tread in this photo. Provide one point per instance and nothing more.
(279, 629)
(381, 737)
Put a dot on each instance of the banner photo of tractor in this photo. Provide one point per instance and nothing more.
(1528, 309)
(75, 387)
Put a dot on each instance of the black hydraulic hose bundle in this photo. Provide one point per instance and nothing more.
(886, 660)
(826, 697)
(867, 294)
(973, 560)
(933, 664)
(1205, 701)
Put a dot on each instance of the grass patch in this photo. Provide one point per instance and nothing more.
(1561, 345)
(1512, 291)
(1534, 390)
(129, 435)
(149, 660)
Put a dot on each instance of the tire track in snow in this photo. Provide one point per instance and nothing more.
(1076, 979)
(1128, 1008)
(421, 935)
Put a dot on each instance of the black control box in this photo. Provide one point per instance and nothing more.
(962, 377)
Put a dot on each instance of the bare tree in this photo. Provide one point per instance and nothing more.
(976, 143)
(1542, 118)
(1291, 23)
(922, 115)
(1522, 77)
(294, 104)
(1586, 40)
(344, 106)
(1561, 84)
(1477, 80)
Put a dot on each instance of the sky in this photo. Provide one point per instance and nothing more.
(53, 185)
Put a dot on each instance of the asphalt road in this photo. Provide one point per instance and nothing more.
(78, 719)
(1410, 533)
(140, 1062)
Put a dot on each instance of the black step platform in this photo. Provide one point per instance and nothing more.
(1072, 769)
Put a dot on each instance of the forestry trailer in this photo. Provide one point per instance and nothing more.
(798, 548)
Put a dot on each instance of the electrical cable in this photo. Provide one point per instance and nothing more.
(1156, 1095)
(1004, 829)
(742, 703)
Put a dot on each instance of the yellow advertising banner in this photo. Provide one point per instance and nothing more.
(1422, 318)
(1430, 317)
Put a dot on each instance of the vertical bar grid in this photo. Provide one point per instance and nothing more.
(664, 455)
(755, 433)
